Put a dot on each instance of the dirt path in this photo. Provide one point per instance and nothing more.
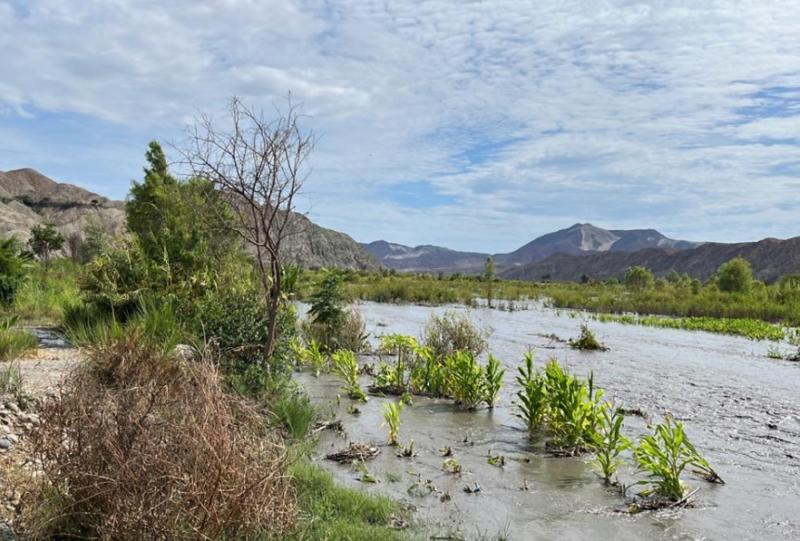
(41, 373)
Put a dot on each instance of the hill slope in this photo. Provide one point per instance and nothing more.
(425, 258)
(28, 198)
(770, 259)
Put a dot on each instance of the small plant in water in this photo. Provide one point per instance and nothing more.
(774, 353)
(664, 455)
(609, 443)
(403, 347)
(465, 378)
(587, 341)
(492, 381)
(574, 409)
(391, 414)
(311, 355)
(346, 367)
(452, 466)
(531, 404)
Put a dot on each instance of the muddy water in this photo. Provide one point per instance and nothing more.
(740, 408)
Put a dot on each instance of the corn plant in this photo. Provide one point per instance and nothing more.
(609, 443)
(465, 379)
(492, 381)
(403, 348)
(345, 366)
(391, 414)
(664, 455)
(531, 404)
(573, 408)
(428, 375)
(310, 355)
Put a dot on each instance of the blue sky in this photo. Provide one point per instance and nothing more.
(474, 125)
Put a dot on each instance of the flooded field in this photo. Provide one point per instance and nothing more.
(741, 409)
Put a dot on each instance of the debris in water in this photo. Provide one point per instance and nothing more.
(355, 452)
(474, 488)
(445, 451)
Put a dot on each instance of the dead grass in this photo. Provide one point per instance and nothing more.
(139, 444)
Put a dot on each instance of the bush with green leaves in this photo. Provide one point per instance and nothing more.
(45, 240)
(327, 309)
(451, 332)
(664, 455)
(428, 374)
(587, 341)
(14, 266)
(403, 348)
(735, 276)
(639, 278)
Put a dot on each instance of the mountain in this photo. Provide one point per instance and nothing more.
(587, 238)
(575, 240)
(425, 258)
(28, 198)
(770, 259)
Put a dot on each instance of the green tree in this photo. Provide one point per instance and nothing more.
(327, 307)
(45, 239)
(13, 269)
(735, 276)
(488, 277)
(183, 226)
(639, 278)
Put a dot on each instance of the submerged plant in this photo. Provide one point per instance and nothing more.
(391, 414)
(531, 404)
(452, 466)
(587, 341)
(664, 455)
(492, 381)
(346, 367)
(609, 443)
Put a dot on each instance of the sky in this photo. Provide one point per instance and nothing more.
(468, 124)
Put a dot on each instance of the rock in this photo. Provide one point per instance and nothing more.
(13, 438)
(185, 352)
(6, 443)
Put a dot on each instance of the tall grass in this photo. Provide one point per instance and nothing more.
(47, 292)
(13, 342)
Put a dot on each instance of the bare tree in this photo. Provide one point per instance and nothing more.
(258, 165)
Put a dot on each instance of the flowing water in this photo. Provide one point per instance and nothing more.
(740, 408)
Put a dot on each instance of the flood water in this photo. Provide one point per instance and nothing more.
(741, 409)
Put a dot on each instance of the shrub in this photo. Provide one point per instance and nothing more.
(639, 278)
(353, 333)
(326, 309)
(451, 332)
(587, 341)
(574, 409)
(428, 375)
(735, 276)
(13, 270)
(140, 442)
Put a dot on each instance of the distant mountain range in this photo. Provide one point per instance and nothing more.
(580, 239)
(769, 258)
(28, 198)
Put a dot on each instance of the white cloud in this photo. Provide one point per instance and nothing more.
(532, 115)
